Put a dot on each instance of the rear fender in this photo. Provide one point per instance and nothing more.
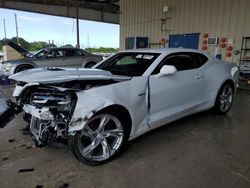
(221, 73)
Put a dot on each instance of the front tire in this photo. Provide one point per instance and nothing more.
(102, 139)
(224, 99)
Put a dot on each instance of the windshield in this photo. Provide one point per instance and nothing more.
(46, 53)
(129, 63)
(38, 54)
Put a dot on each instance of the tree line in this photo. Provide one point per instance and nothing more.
(30, 46)
(103, 50)
(37, 45)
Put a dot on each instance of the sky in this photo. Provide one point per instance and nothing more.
(40, 27)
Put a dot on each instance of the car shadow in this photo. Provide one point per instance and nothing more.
(201, 120)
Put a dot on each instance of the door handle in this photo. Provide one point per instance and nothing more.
(198, 76)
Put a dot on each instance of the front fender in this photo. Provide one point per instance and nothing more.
(129, 94)
(85, 110)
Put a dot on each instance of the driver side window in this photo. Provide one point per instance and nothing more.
(181, 61)
(58, 53)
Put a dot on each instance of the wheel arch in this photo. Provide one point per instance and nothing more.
(83, 115)
(88, 59)
(231, 82)
(227, 81)
(23, 65)
(122, 113)
(89, 62)
(113, 110)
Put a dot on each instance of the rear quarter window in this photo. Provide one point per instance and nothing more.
(200, 59)
(73, 52)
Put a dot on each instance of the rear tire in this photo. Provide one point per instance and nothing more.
(23, 68)
(101, 140)
(224, 99)
(89, 64)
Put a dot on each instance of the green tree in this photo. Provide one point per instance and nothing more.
(103, 50)
(1, 45)
(33, 46)
(68, 46)
(23, 43)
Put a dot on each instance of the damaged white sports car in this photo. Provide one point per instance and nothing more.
(122, 97)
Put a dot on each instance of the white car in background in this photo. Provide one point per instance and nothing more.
(121, 98)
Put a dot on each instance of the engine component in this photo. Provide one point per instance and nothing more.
(44, 131)
(41, 130)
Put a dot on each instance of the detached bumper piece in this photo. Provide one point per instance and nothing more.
(4, 80)
(8, 112)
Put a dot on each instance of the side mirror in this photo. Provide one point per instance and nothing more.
(166, 70)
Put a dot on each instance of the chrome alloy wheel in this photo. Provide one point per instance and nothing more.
(100, 138)
(226, 98)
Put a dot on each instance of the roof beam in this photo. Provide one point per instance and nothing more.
(87, 11)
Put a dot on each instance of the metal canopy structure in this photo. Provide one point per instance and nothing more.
(94, 10)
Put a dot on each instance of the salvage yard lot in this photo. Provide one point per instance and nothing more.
(204, 150)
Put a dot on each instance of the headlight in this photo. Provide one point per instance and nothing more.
(61, 102)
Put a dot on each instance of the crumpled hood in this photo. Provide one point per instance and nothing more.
(58, 75)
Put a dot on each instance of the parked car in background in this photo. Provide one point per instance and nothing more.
(122, 97)
(51, 57)
(1, 58)
(104, 54)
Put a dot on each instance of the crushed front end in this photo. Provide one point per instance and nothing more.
(58, 102)
(48, 110)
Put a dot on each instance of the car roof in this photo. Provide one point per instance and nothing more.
(165, 50)
(62, 48)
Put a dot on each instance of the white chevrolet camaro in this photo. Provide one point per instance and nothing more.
(98, 110)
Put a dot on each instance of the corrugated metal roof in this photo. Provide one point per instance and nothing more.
(111, 6)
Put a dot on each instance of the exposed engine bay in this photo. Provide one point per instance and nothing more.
(49, 108)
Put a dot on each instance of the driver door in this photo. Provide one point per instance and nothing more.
(174, 96)
(51, 58)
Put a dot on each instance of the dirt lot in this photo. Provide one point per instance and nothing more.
(204, 150)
